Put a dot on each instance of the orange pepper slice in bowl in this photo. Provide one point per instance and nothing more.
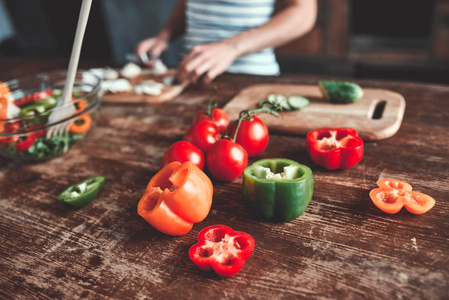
(81, 125)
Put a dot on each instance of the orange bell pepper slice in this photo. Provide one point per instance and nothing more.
(81, 125)
(3, 112)
(80, 105)
(394, 194)
(176, 197)
(4, 89)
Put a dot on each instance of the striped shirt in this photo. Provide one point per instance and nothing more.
(214, 20)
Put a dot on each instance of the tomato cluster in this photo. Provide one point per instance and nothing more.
(222, 145)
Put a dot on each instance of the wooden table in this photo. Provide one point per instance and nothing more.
(341, 247)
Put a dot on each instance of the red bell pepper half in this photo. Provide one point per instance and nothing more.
(222, 249)
(337, 148)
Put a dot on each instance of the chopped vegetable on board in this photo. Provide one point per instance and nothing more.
(278, 189)
(393, 194)
(335, 148)
(340, 91)
(176, 197)
(283, 103)
(222, 249)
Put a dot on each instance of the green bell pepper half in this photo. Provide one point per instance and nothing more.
(82, 193)
(278, 189)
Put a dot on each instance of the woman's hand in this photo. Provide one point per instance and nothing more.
(207, 60)
(155, 45)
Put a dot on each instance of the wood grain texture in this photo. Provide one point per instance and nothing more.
(342, 247)
(323, 114)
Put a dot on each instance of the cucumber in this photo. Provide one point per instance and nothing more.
(278, 102)
(340, 91)
(297, 102)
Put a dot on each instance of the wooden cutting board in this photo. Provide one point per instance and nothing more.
(376, 116)
(168, 93)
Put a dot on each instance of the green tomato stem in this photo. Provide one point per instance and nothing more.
(211, 106)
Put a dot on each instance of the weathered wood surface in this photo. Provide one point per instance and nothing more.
(342, 247)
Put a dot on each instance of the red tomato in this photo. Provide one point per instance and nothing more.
(253, 135)
(226, 160)
(202, 134)
(183, 151)
(219, 117)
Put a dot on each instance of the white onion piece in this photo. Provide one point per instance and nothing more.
(159, 68)
(168, 80)
(12, 111)
(110, 74)
(149, 87)
(116, 86)
(131, 70)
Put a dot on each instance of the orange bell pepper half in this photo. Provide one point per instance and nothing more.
(393, 194)
(176, 197)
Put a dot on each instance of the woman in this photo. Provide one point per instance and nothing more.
(231, 35)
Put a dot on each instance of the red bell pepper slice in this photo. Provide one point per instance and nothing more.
(394, 194)
(25, 144)
(33, 97)
(335, 148)
(222, 249)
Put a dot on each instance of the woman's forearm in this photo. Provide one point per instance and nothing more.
(176, 24)
(295, 20)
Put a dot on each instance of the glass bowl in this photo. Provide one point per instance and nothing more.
(23, 131)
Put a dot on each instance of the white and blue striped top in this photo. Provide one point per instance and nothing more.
(214, 20)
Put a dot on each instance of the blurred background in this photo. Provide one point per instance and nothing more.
(378, 39)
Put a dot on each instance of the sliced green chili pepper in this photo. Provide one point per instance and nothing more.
(38, 111)
(82, 193)
(278, 189)
(38, 107)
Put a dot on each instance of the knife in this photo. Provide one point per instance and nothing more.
(141, 58)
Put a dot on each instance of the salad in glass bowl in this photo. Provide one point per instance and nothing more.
(26, 104)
